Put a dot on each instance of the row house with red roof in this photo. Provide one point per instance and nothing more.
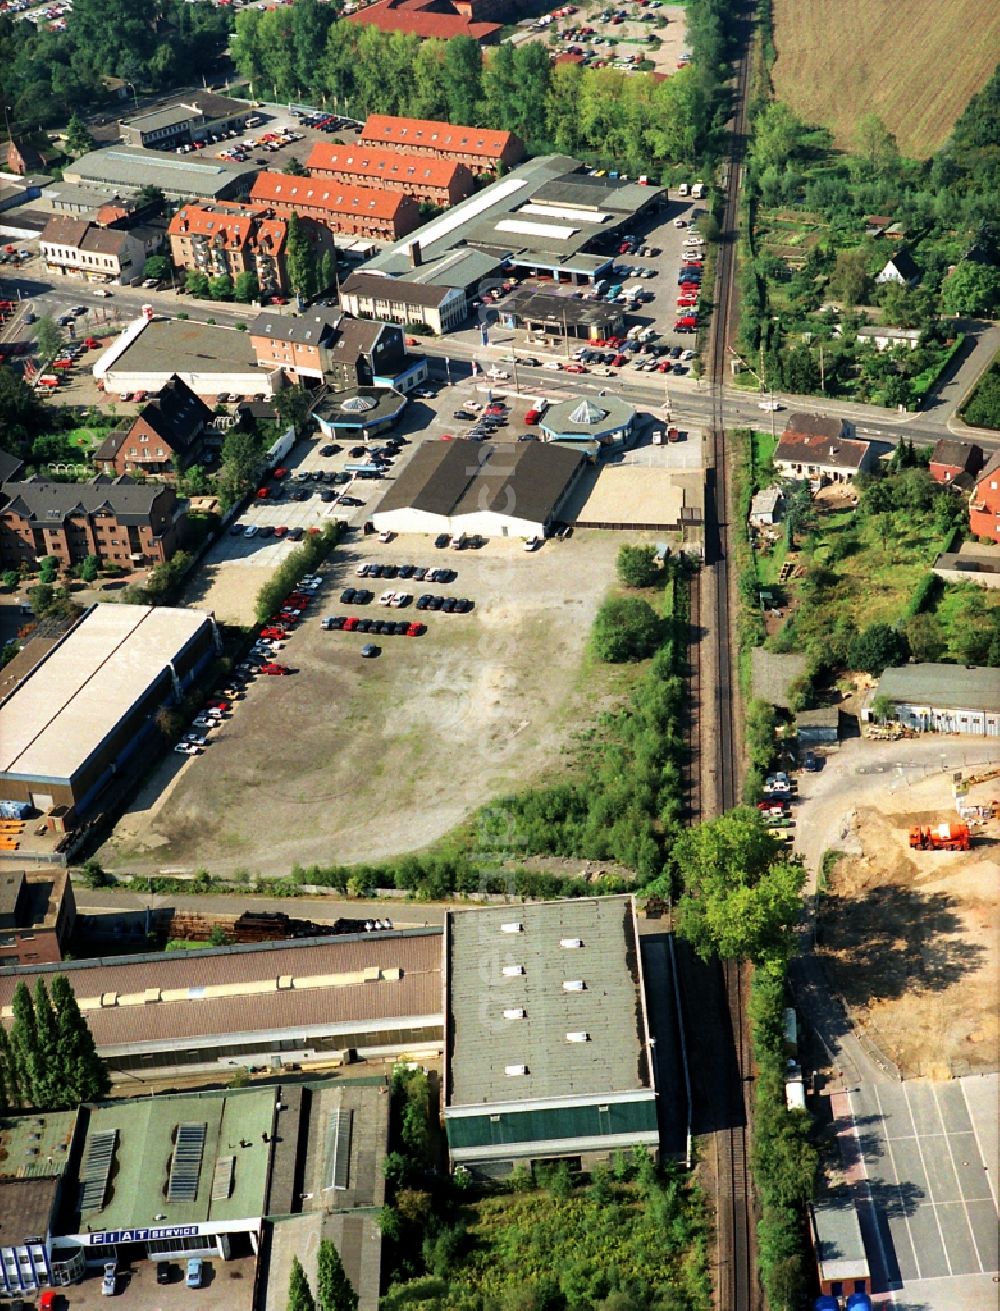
(440, 182)
(358, 211)
(480, 149)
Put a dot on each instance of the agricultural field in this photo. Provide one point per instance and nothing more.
(916, 68)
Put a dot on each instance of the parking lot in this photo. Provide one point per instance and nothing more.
(228, 1284)
(350, 759)
(617, 36)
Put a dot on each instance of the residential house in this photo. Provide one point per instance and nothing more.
(818, 448)
(984, 508)
(25, 156)
(956, 462)
(398, 300)
(767, 507)
(482, 150)
(900, 268)
(359, 211)
(886, 338)
(300, 345)
(440, 182)
(164, 437)
(225, 238)
(119, 520)
(440, 20)
(11, 467)
(77, 248)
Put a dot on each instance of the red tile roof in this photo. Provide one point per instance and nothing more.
(416, 19)
(402, 132)
(378, 162)
(322, 193)
(237, 225)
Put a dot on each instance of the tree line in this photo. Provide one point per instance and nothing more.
(48, 1060)
(302, 52)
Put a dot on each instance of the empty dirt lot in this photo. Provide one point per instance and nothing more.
(352, 759)
(911, 938)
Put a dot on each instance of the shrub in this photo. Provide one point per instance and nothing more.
(638, 566)
(877, 647)
(626, 628)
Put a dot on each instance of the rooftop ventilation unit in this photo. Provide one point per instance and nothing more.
(515, 1013)
(97, 1169)
(512, 971)
(185, 1166)
(578, 1037)
(515, 1071)
(512, 928)
(573, 985)
(570, 942)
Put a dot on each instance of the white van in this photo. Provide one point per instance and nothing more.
(683, 189)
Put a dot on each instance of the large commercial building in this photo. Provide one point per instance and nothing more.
(75, 722)
(409, 300)
(210, 360)
(183, 123)
(179, 177)
(941, 698)
(547, 1041)
(272, 1004)
(483, 489)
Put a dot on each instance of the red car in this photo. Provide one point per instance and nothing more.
(688, 321)
(279, 300)
(664, 366)
(279, 473)
(272, 668)
(224, 706)
(274, 630)
(351, 624)
(575, 368)
(416, 630)
(619, 362)
(263, 493)
(91, 343)
(281, 530)
(687, 302)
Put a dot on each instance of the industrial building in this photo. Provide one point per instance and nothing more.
(547, 1041)
(561, 314)
(79, 717)
(210, 360)
(271, 1004)
(940, 698)
(184, 177)
(841, 1260)
(219, 1174)
(37, 915)
(484, 489)
(181, 123)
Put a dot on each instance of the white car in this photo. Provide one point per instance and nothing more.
(250, 530)
(103, 292)
(362, 569)
(532, 543)
(687, 355)
(185, 749)
(554, 365)
(387, 598)
(770, 406)
(109, 1284)
(401, 599)
(386, 535)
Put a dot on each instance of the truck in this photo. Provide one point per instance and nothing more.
(698, 190)
(942, 837)
(683, 189)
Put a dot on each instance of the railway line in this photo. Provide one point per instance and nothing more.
(720, 749)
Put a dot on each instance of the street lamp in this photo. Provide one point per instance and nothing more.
(135, 95)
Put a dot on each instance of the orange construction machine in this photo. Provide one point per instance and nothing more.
(943, 837)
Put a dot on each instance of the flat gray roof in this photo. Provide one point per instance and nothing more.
(509, 1007)
(52, 722)
(177, 175)
(169, 117)
(182, 345)
(958, 687)
(840, 1248)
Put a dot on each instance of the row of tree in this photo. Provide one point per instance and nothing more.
(333, 1288)
(48, 1060)
(640, 125)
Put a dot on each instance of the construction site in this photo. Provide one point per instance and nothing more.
(909, 923)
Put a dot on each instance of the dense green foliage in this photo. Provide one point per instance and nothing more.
(638, 566)
(876, 647)
(148, 43)
(804, 229)
(49, 1061)
(626, 628)
(333, 1288)
(300, 1296)
(982, 410)
(629, 121)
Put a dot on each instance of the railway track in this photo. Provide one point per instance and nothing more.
(720, 748)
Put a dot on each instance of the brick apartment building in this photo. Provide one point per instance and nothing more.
(441, 182)
(74, 247)
(325, 346)
(984, 508)
(225, 237)
(120, 521)
(481, 150)
(165, 437)
(37, 914)
(358, 211)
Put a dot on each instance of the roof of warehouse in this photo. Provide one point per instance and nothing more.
(609, 1009)
(179, 345)
(52, 722)
(961, 687)
(167, 998)
(137, 1193)
(136, 166)
(453, 478)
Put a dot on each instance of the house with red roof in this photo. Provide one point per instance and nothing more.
(441, 182)
(427, 19)
(222, 237)
(482, 150)
(984, 508)
(339, 206)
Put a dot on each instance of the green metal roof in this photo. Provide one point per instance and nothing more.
(947, 687)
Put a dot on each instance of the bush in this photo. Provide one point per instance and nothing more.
(877, 647)
(626, 628)
(302, 561)
(638, 566)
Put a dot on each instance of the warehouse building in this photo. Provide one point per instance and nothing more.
(939, 698)
(271, 1004)
(179, 178)
(210, 360)
(483, 489)
(80, 716)
(547, 1042)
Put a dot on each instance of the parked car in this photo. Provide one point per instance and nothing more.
(195, 1272)
(164, 1272)
(369, 651)
(109, 1283)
